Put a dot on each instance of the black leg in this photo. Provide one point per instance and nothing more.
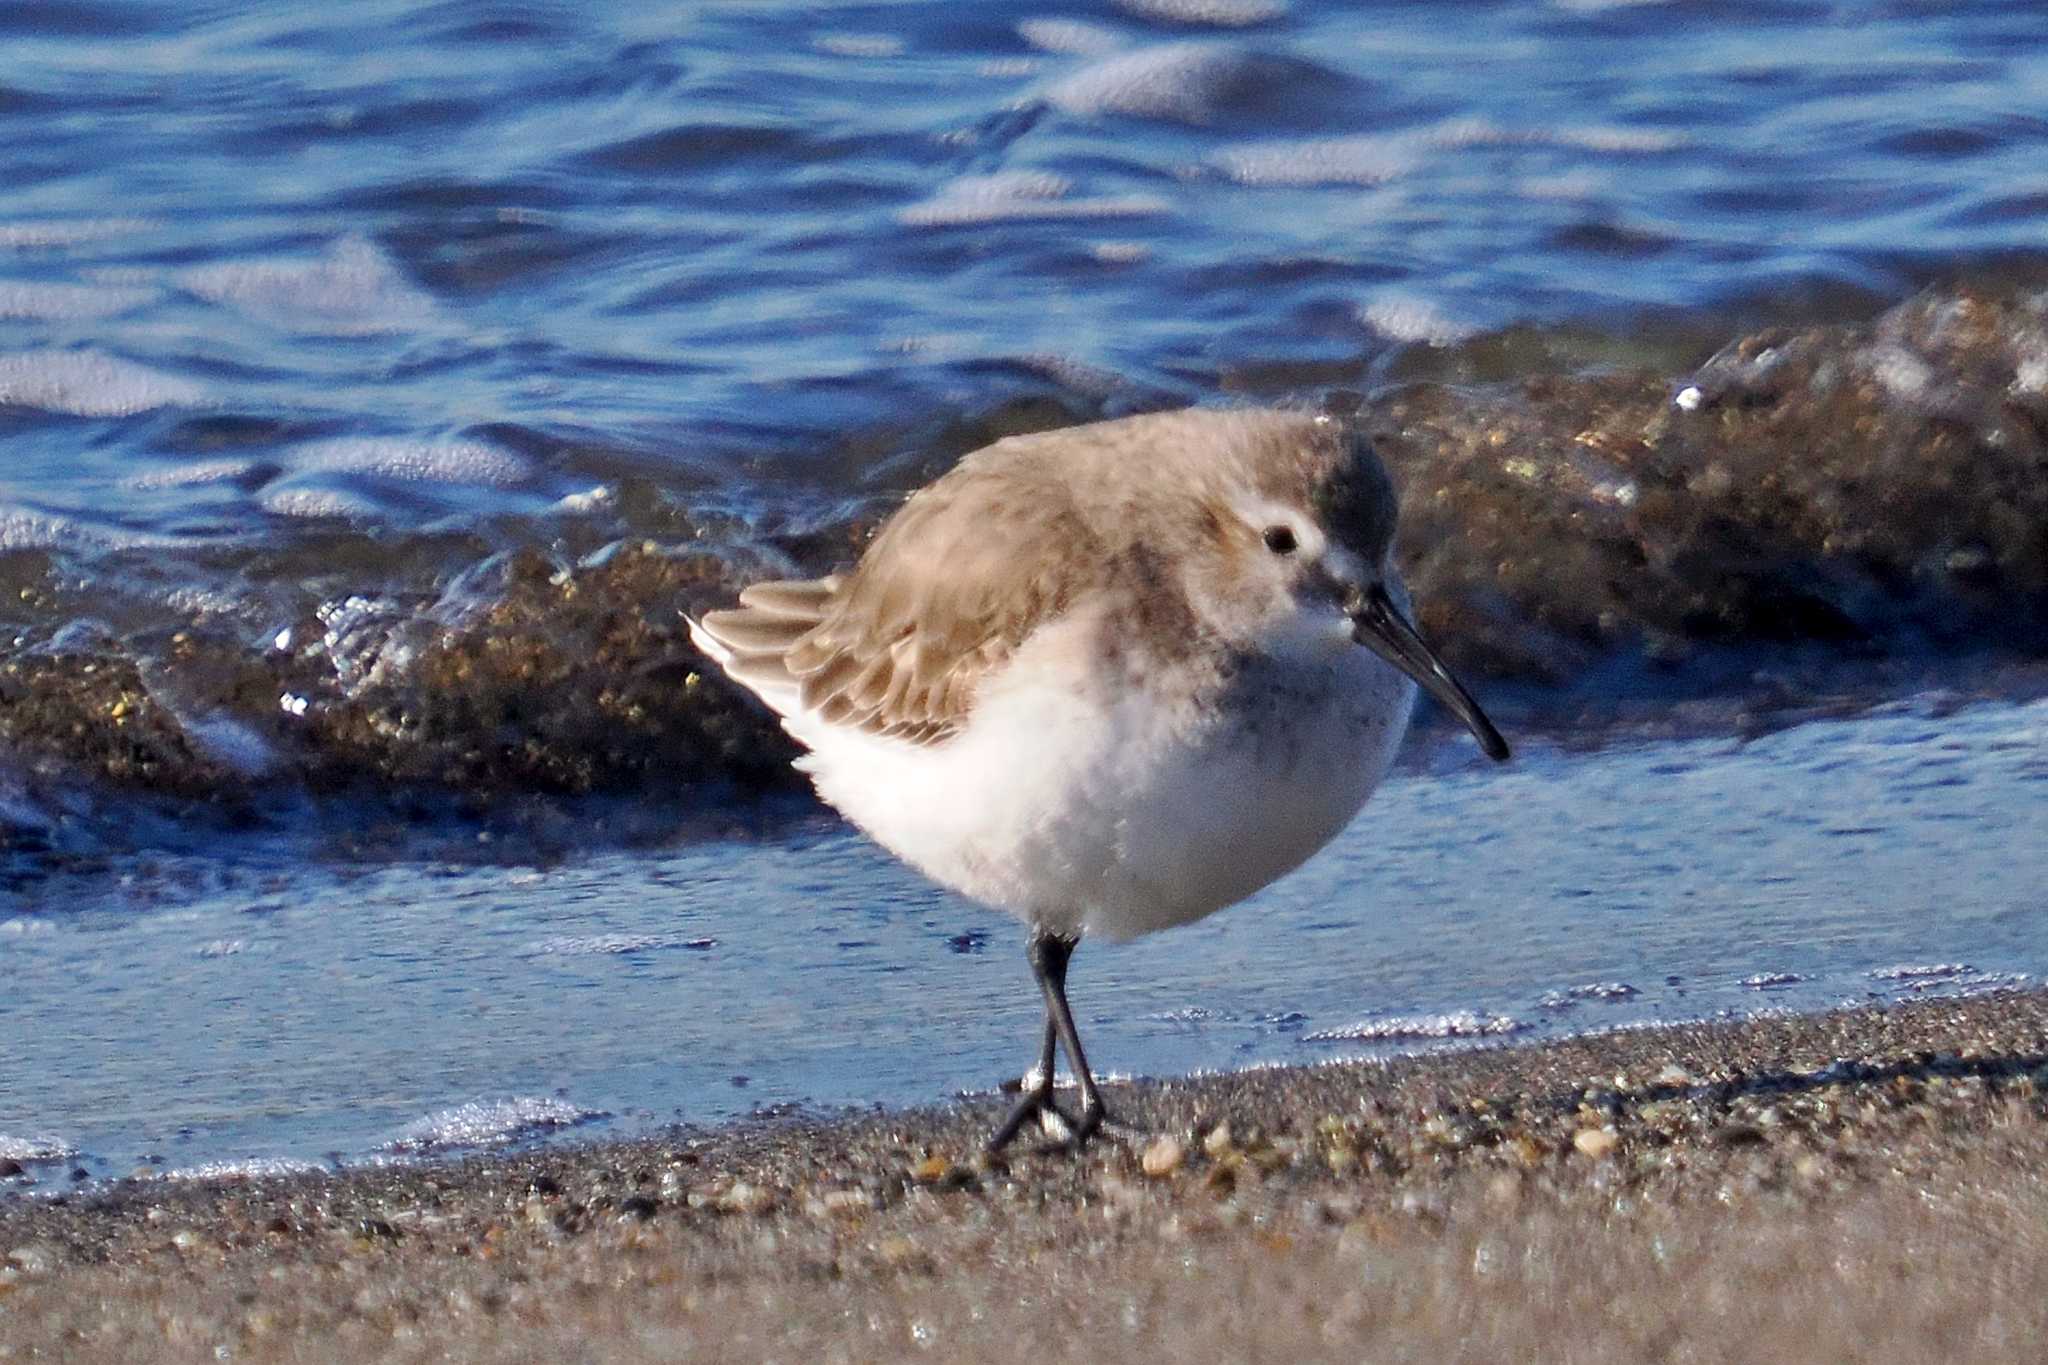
(1036, 1099)
(1049, 955)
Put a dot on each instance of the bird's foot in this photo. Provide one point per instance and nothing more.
(1035, 1103)
(1066, 1133)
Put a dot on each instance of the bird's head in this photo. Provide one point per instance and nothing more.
(1300, 530)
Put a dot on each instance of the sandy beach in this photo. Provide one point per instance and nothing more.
(1870, 1184)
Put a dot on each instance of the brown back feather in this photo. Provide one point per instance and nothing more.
(977, 561)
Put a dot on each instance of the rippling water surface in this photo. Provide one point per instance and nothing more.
(320, 325)
(412, 262)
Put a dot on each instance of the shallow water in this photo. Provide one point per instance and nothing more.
(202, 1010)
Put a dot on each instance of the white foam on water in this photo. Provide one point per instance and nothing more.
(1016, 196)
(1404, 318)
(1420, 1028)
(33, 530)
(43, 234)
(1121, 253)
(248, 1168)
(197, 475)
(590, 945)
(288, 500)
(1365, 160)
(1374, 158)
(90, 384)
(1763, 981)
(41, 1147)
(364, 640)
(1904, 375)
(1922, 971)
(414, 461)
(590, 500)
(1070, 37)
(864, 45)
(352, 290)
(1949, 978)
(489, 1123)
(58, 302)
(1597, 990)
(1183, 82)
(20, 530)
(1600, 137)
(1210, 13)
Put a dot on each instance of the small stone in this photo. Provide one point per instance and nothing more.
(637, 1207)
(1596, 1142)
(1674, 1074)
(188, 1239)
(747, 1199)
(931, 1170)
(1219, 1140)
(34, 1258)
(844, 1202)
(1163, 1157)
(11, 1169)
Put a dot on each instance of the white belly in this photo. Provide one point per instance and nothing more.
(1114, 811)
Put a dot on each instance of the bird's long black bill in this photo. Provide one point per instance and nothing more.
(1379, 625)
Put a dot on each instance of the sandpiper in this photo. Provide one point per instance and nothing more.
(1109, 679)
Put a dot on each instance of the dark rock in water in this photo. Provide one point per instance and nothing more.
(569, 683)
(563, 684)
(1880, 488)
(1871, 495)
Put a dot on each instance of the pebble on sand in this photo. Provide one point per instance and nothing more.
(1596, 1142)
(1163, 1157)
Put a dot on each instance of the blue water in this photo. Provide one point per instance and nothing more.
(286, 1006)
(303, 304)
(689, 240)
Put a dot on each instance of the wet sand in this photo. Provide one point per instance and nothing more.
(1864, 1185)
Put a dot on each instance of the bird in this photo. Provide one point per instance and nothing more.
(1109, 678)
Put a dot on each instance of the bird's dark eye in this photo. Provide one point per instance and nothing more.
(1280, 539)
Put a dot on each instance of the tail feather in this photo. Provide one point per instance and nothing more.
(798, 599)
(754, 632)
(751, 642)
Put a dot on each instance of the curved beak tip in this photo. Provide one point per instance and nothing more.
(1381, 628)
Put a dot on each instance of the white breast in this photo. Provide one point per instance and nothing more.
(1078, 802)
